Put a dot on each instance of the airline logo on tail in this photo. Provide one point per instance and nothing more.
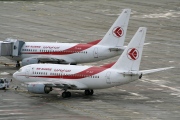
(118, 32)
(133, 54)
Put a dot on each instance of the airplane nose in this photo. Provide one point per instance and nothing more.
(15, 75)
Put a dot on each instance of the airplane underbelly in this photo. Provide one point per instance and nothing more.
(90, 58)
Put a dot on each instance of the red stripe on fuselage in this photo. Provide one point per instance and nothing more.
(77, 48)
(83, 74)
(108, 65)
(94, 42)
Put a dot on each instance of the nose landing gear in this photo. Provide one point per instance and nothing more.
(67, 94)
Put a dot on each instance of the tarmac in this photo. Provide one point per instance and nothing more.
(154, 97)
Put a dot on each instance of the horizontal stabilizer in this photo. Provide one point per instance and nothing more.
(117, 49)
(123, 48)
(154, 70)
(130, 73)
(147, 43)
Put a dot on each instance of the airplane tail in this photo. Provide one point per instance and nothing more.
(131, 57)
(115, 37)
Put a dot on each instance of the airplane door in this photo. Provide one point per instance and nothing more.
(50, 51)
(27, 72)
(95, 52)
(108, 79)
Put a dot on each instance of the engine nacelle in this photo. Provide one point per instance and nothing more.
(28, 61)
(39, 88)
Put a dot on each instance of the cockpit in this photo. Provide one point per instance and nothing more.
(20, 70)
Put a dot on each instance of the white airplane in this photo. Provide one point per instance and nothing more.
(41, 78)
(73, 53)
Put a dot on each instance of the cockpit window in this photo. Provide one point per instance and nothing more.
(20, 70)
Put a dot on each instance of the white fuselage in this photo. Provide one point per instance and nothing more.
(84, 77)
(69, 52)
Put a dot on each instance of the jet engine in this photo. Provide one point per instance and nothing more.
(28, 61)
(39, 88)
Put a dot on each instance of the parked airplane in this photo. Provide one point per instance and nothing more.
(41, 78)
(72, 53)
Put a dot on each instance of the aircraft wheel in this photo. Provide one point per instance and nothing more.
(64, 95)
(68, 94)
(91, 92)
(86, 92)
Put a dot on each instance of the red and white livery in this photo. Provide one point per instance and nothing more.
(41, 78)
(111, 45)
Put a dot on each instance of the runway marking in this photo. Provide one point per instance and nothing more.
(16, 113)
(175, 94)
(138, 96)
(87, 17)
(4, 73)
(136, 112)
(163, 86)
(7, 106)
(113, 14)
(155, 101)
(83, 110)
(167, 14)
(155, 89)
(10, 110)
(9, 99)
(122, 90)
(167, 44)
(9, 2)
(102, 10)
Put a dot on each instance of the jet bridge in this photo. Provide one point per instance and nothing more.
(11, 47)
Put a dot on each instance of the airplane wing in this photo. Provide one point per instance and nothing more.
(154, 70)
(49, 59)
(62, 84)
(41, 59)
(143, 72)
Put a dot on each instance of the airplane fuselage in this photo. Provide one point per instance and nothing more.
(69, 52)
(84, 77)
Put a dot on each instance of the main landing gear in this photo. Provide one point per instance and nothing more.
(67, 94)
(88, 92)
(18, 64)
